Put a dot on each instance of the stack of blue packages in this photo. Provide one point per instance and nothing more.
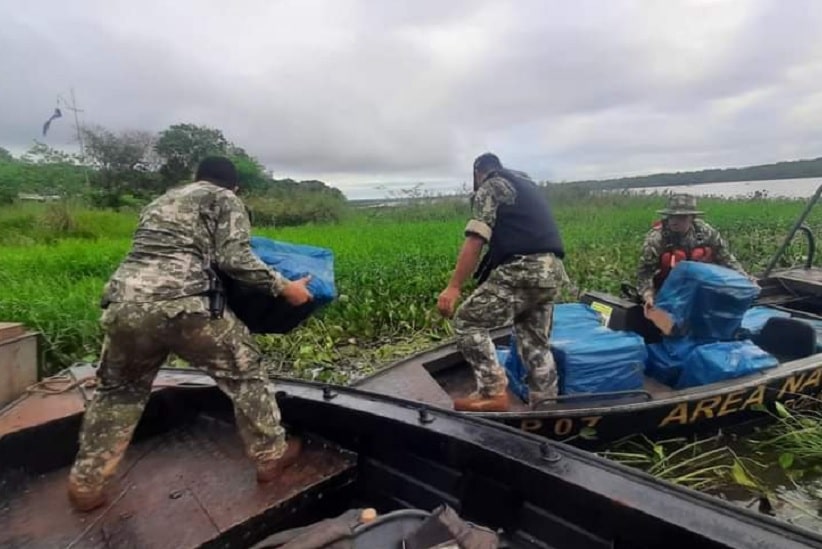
(566, 316)
(711, 309)
(599, 360)
(683, 363)
(706, 301)
(589, 357)
(263, 313)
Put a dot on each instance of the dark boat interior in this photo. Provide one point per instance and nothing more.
(186, 483)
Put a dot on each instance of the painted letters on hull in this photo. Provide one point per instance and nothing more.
(723, 406)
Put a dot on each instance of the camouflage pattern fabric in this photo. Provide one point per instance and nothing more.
(139, 337)
(493, 192)
(178, 232)
(523, 292)
(155, 307)
(659, 240)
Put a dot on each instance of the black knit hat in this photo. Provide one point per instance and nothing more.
(218, 170)
(486, 162)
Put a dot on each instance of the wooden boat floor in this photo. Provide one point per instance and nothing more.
(176, 490)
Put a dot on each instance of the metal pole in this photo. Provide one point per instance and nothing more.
(77, 126)
(73, 108)
(791, 234)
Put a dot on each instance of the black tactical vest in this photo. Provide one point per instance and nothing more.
(525, 227)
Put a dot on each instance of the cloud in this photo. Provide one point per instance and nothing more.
(363, 91)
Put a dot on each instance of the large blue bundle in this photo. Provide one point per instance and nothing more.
(295, 261)
(599, 360)
(569, 320)
(263, 313)
(724, 360)
(706, 301)
(668, 358)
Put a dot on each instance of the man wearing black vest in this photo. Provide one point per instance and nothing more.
(519, 278)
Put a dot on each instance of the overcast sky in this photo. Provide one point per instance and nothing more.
(363, 92)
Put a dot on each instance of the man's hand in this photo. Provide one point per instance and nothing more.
(296, 293)
(648, 298)
(447, 300)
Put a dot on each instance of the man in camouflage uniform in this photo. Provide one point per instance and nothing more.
(519, 278)
(156, 304)
(679, 236)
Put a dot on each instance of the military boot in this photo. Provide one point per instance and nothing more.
(271, 469)
(479, 403)
(85, 497)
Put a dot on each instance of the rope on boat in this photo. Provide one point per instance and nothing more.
(45, 386)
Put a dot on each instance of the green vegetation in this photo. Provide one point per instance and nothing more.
(391, 263)
(777, 468)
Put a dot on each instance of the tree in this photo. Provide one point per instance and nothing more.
(5, 156)
(182, 146)
(124, 162)
(40, 153)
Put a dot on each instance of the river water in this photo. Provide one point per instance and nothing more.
(776, 188)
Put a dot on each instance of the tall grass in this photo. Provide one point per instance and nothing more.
(391, 263)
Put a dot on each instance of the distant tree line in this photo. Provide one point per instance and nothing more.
(131, 167)
(781, 170)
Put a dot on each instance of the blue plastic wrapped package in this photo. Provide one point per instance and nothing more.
(263, 313)
(667, 359)
(294, 261)
(662, 365)
(706, 301)
(599, 360)
(515, 370)
(569, 315)
(713, 362)
(755, 318)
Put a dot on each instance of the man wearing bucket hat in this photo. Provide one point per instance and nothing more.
(679, 236)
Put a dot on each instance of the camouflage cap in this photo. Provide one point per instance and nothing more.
(681, 204)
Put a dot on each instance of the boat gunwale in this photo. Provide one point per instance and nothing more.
(625, 485)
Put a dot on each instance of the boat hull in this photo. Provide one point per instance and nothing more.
(388, 453)
(591, 421)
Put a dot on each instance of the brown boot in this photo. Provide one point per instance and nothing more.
(85, 498)
(478, 403)
(271, 469)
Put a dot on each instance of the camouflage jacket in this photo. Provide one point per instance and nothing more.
(660, 239)
(178, 235)
(535, 270)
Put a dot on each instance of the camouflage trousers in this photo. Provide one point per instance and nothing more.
(139, 337)
(522, 293)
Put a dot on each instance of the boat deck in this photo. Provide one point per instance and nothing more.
(414, 382)
(186, 487)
